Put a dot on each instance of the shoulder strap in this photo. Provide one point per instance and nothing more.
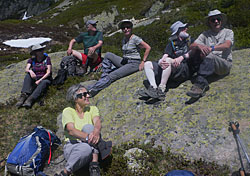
(33, 62)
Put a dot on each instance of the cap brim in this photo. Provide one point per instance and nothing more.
(224, 19)
(37, 49)
(183, 26)
(124, 21)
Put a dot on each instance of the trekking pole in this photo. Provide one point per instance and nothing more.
(234, 127)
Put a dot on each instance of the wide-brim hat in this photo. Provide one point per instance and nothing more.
(176, 26)
(120, 25)
(36, 47)
(92, 22)
(215, 13)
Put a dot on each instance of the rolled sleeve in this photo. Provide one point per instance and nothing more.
(67, 117)
(230, 36)
(137, 40)
(200, 40)
(94, 112)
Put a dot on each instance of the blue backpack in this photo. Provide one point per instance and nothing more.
(179, 173)
(31, 152)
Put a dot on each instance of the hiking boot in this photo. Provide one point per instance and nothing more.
(152, 92)
(28, 103)
(94, 169)
(196, 91)
(143, 93)
(161, 94)
(62, 173)
(161, 91)
(93, 93)
(21, 100)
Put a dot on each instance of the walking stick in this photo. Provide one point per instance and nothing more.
(234, 127)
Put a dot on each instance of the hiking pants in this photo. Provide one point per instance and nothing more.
(114, 73)
(30, 87)
(78, 154)
(211, 64)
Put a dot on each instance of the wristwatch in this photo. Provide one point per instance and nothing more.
(212, 47)
(87, 138)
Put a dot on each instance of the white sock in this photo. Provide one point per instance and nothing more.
(148, 68)
(164, 76)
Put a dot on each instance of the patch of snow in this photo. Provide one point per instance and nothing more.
(26, 43)
(25, 17)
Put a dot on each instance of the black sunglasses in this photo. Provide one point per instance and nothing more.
(128, 27)
(80, 95)
(215, 18)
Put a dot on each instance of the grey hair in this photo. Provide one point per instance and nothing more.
(72, 92)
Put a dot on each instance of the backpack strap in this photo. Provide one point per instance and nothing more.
(49, 147)
(44, 62)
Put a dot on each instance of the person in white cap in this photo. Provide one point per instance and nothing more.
(214, 49)
(92, 41)
(38, 77)
(116, 67)
(173, 65)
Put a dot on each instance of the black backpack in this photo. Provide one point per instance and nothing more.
(69, 66)
(60, 77)
(72, 65)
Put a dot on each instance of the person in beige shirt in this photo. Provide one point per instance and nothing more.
(213, 49)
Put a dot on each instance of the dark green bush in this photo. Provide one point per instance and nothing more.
(158, 162)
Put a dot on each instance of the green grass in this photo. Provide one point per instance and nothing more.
(12, 58)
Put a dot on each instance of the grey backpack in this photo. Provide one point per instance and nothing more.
(72, 65)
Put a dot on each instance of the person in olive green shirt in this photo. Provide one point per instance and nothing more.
(92, 42)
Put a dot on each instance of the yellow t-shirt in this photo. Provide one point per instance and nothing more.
(70, 115)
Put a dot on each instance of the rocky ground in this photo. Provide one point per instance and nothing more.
(196, 129)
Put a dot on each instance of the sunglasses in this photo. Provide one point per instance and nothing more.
(80, 95)
(128, 27)
(215, 18)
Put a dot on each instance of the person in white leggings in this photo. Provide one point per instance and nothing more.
(174, 64)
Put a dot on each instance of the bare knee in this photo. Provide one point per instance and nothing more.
(77, 54)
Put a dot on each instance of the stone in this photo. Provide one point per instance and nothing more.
(156, 7)
(197, 130)
(136, 159)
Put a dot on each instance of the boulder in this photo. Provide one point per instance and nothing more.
(136, 159)
(195, 130)
(10, 90)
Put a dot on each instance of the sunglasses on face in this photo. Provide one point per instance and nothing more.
(80, 95)
(124, 27)
(215, 18)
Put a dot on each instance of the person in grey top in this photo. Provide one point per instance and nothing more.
(115, 67)
(214, 49)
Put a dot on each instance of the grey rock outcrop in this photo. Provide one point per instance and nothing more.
(12, 77)
(156, 7)
(198, 130)
(105, 19)
(16, 8)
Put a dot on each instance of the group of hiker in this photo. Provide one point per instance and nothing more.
(183, 59)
